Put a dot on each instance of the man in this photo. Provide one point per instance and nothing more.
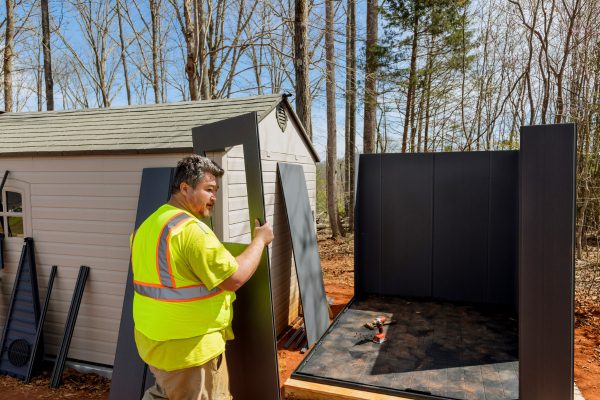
(185, 283)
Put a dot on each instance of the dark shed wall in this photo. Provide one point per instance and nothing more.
(406, 223)
(547, 180)
(503, 234)
(460, 238)
(438, 225)
(368, 241)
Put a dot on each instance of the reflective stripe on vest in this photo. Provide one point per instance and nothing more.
(186, 293)
(167, 290)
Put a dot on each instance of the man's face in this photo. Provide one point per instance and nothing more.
(203, 197)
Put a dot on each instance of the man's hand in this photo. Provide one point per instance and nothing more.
(250, 258)
(263, 232)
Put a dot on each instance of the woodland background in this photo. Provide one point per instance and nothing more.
(366, 75)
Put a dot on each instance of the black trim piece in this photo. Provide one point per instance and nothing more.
(25, 292)
(4, 180)
(300, 339)
(2, 234)
(61, 357)
(38, 337)
(294, 336)
(2, 250)
(254, 321)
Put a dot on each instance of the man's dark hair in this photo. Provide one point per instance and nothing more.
(191, 170)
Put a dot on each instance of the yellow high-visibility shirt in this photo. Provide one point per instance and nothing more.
(175, 354)
(198, 256)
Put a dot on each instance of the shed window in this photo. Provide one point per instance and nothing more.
(11, 211)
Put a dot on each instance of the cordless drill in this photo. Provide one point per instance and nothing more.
(380, 335)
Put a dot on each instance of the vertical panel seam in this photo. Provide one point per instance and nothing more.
(433, 171)
(487, 289)
(379, 159)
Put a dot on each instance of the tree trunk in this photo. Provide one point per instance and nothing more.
(331, 122)
(47, 56)
(201, 48)
(350, 128)
(154, 15)
(420, 116)
(8, 55)
(370, 79)
(412, 83)
(123, 58)
(301, 65)
(191, 42)
(38, 80)
(428, 94)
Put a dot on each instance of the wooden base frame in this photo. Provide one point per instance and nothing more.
(297, 389)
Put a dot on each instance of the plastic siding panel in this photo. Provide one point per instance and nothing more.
(253, 321)
(461, 187)
(501, 285)
(546, 270)
(367, 241)
(306, 252)
(406, 224)
(131, 376)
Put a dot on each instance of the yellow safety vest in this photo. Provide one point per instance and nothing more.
(167, 305)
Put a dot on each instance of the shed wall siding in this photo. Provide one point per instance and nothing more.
(287, 146)
(82, 211)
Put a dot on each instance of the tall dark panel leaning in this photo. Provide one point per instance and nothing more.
(131, 376)
(306, 252)
(253, 315)
(546, 261)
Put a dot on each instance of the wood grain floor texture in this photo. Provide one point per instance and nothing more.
(456, 351)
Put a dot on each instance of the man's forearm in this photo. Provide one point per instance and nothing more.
(247, 263)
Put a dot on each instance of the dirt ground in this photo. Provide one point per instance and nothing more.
(338, 274)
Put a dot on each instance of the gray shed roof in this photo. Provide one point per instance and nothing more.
(136, 129)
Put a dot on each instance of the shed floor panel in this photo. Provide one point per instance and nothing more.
(456, 351)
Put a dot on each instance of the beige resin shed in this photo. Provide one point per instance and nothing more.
(73, 186)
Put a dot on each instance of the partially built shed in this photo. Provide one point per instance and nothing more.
(471, 255)
(74, 183)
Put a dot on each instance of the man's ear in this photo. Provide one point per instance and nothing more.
(183, 187)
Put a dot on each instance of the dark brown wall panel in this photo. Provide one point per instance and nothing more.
(441, 225)
(131, 375)
(306, 251)
(460, 226)
(406, 224)
(501, 285)
(547, 215)
(253, 316)
(367, 240)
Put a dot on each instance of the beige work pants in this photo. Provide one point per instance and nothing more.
(209, 381)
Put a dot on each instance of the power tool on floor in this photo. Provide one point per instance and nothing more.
(378, 323)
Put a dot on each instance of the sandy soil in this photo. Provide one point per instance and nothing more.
(587, 348)
(338, 275)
